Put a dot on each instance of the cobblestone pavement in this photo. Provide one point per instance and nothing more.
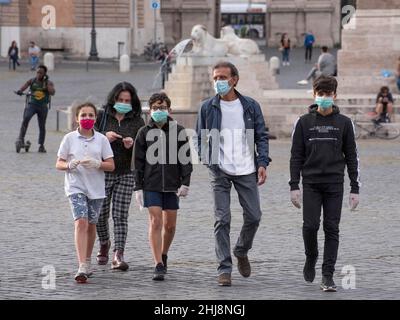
(37, 227)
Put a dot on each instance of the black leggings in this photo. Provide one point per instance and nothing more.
(29, 112)
(309, 53)
(328, 196)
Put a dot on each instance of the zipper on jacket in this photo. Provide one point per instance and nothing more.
(312, 139)
(162, 160)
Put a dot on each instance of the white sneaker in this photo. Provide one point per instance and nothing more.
(89, 267)
(288, 63)
(302, 82)
(81, 276)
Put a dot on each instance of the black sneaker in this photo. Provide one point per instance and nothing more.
(42, 149)
(327, 284)
(159, 272)
(164, 258)
(309, 269)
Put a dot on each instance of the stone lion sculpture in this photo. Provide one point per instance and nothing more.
(205, 44)
(238, 46)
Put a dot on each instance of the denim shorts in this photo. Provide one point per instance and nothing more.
(83, 207)
(165, 200)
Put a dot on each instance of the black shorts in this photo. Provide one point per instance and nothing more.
(165, 200)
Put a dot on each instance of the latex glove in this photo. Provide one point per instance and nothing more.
(73, 164)
(183, 191)
(112, 136)
(295, 197)
(128, 142)
(91, 163)
(354, 199)
(139, 199)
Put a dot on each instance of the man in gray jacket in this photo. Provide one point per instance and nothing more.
(233, 143)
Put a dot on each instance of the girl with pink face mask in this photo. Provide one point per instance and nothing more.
(84, 155)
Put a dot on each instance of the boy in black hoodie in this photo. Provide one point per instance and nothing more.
(322, 145)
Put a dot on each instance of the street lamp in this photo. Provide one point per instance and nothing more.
(93, 50)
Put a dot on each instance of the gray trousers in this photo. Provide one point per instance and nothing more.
(249, 199)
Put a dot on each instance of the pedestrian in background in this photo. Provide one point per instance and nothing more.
(13, 53)
(40, 90)
(309, 40)
(34, 54)
(285, 49)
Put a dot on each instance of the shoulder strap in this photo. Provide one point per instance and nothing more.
(32, 81)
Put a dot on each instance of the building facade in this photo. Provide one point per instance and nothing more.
(296, 17)
(370, 45)
(179, 16)
(122, 26)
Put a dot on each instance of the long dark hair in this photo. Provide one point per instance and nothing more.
(115, 92)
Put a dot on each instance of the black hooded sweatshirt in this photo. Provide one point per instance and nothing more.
(128, 127)
(321, 147)
(171, 173)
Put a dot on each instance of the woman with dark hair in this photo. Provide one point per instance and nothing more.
(13, 54)
(119, 122)
(285, 48)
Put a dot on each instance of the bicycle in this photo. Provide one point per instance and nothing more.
(375, 128)
(153, 50)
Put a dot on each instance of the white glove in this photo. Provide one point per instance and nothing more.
(139, 199)
(295, 197)
(91, 163)
(354, 199)
(73, 164)
(183, 191)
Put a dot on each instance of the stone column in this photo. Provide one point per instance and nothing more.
(370, 44)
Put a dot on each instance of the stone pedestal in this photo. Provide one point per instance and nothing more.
(49, 61)
(191, 79)
(370, 44)
(124, 63)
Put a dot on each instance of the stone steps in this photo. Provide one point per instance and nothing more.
(282, 108)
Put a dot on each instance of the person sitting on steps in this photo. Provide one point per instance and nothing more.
(384, 106)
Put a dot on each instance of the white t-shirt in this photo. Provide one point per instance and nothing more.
(35, 50)
(235, 157)
(89, 181)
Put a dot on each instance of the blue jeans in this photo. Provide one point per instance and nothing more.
(34, 62)
(398, 83)
(285, 54)
(249, 199)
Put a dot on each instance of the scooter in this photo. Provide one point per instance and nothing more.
(21, 144)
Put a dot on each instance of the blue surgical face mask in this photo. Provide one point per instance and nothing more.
(324, 102)
(122, 107)
(222, 87)
(159, 116)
